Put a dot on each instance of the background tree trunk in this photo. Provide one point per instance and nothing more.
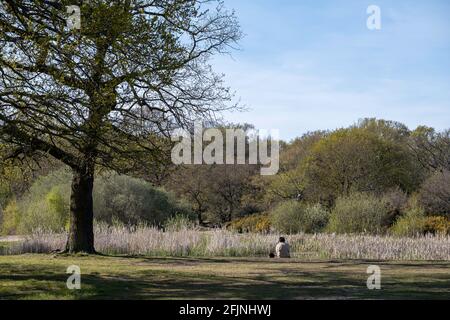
(81, 233)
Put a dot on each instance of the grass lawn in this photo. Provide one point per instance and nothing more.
(44, 277)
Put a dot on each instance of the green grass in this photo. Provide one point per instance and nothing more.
(44, 277)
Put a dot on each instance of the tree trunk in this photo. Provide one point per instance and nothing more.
(200, 218)
(81, 233)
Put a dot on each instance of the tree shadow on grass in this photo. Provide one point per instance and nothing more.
(323, 263)
(196, 260)
(165, 284)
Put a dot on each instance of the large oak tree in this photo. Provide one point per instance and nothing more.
(107, 94)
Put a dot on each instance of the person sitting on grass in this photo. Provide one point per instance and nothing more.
(282, 249)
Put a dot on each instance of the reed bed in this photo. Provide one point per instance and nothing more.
(147, 241)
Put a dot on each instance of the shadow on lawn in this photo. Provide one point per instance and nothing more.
(166, 284)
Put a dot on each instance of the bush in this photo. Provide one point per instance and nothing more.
(252, 223)
(396, 203)
(295, 217)
(263, 225)
(10, 219)
(116, 198)
(359, 213)
(132, 201)
(46, 205)
(411, 224)
(47, 213)
(316, 218)
(434, 195)
(437, 226)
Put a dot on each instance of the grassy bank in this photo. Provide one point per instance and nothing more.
(44, 277)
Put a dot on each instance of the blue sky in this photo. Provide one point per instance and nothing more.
(308, 65)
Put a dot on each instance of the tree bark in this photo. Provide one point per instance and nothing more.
(81, 233)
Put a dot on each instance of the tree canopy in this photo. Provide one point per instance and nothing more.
(107, 94)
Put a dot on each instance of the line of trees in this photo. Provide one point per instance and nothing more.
(374, 176)
(371, 162)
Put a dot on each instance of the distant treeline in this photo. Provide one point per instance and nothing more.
(374, 177)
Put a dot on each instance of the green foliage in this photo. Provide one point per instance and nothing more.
(13, 181)
(293, 217)
(411, 224)
(357, 160)
(179, 222)
(291, 182)
(87, 88)
(252, 223)
(17, 177)
(285, 217)
(316, 218)
(358, 213)
(116, 199)
(365, 174)
(132, 201)
(432, 148)
(58, 206)
(46, 205)
(40, 215)
(10, 219)
(389, 130)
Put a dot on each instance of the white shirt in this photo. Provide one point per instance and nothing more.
(282, 250)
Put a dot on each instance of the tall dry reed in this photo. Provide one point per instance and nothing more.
(142, 240)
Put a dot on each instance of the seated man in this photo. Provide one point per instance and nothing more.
(282, 249)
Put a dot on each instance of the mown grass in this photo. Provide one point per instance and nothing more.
(44, 277)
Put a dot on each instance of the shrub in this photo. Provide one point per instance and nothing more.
(131, 201)
(437, 226)
(411, 224)
(263, 224)
(10, 219)
(116, 198)
(434, 194)
(252, 223)
(46, 205)
(294, 217)
(49, 213)
(358, 213)
(316, 218)
(396, 203)
(58, 206)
